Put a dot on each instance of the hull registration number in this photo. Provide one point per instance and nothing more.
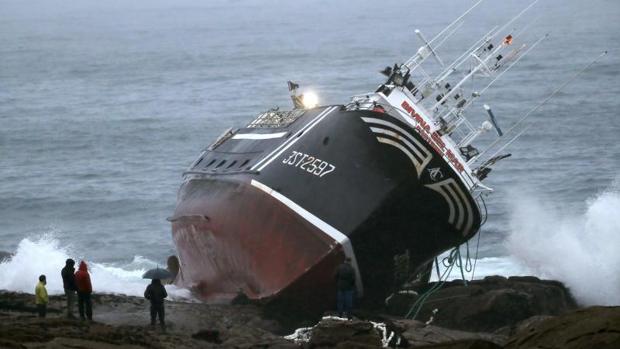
(309, 163)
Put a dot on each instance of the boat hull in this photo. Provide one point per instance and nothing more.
(331, 184)
(248, 242)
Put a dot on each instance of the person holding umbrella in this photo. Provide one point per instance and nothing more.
(156, 293)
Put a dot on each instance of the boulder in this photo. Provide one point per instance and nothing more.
(593, 327)
(494, 302)
(418, 334)
(249, 337)
(330, 333)
(211, 336)
(399, 304)
(463, 344)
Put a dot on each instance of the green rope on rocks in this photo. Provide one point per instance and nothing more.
(454, 258)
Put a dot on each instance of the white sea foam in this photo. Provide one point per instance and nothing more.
(485, 266)
(550, 241)
(582, 250)
(44, 255)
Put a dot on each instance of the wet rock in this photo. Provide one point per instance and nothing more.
(513, 329)
(494, 302)
(330, 333)
(463, 344)
(249, 337)
(211, 336)
(399, 304)
(122, 322)
(418, 334)
(594, 327)
(20, 302)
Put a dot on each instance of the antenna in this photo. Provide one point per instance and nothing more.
(501, 73)
(428, 46)
(456, 20)
(515, 17)
(457, 62)
(418, 58)
(543, 102)
(482, 63)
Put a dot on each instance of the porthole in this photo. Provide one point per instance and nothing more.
(232, 164)
(244, 163)
(220, 164)
(211, 163)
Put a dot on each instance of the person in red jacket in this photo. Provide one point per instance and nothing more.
(84, 290)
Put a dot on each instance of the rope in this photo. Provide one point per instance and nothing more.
(454, 258)
(417, 306)
(473, 269)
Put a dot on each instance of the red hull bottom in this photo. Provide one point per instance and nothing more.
(233, 238)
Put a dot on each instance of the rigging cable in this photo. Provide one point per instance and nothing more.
(544, 101)
(451, 262)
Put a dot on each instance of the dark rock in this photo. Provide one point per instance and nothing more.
(464, 344)
(332, 333)
(20, 302)
(398, 304)
(594, 327)
(418, 334)
(513, 329)
(495, 302)
(241, 299)
(497, 279)
(249, 337)
(211, 336)
(9, 344)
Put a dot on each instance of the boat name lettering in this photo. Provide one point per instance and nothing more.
(308, 163)
(434, 139)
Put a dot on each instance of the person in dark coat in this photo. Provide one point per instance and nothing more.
(84, 290)
(345, 281)
(156, 292)
(68, 282)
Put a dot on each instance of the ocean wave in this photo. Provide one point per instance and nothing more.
(44, 255)
(577, 248)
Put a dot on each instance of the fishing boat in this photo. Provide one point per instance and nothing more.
(390, 179)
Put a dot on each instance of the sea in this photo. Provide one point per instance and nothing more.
(103, 105)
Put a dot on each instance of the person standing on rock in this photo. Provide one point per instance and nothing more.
(68, 282)
(84, 290)
(40, 293)
(156, 292)
(345, 281)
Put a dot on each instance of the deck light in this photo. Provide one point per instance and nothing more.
(310, 100)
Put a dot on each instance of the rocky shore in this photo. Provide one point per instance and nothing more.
(497, 312)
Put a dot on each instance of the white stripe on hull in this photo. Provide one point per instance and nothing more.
(259, 135)
(461, 215)
(415, 162)
(422, 155)
(292, 140)
(460, 208)
(334, 233)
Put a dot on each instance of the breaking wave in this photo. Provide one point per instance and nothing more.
(44, 255)
(580, 249)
